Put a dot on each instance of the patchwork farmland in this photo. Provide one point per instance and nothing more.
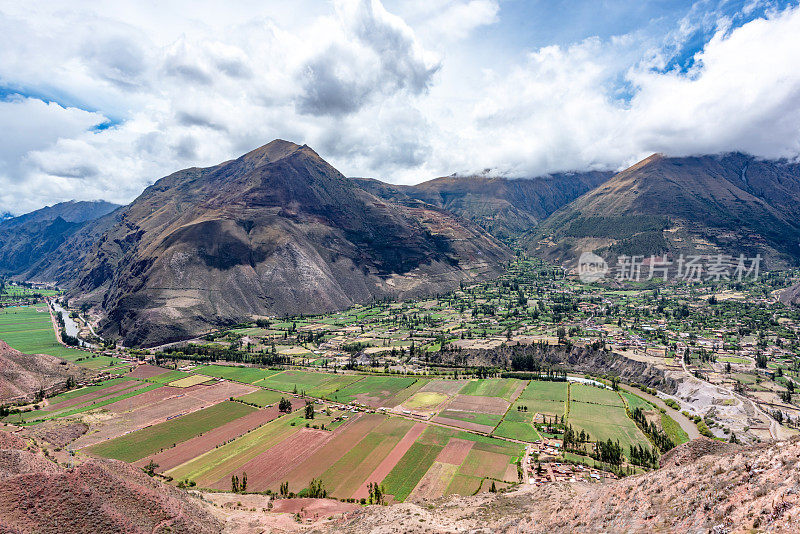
(419, 437)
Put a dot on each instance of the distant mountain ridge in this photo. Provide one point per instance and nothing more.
(30, 242)
(505, 207)
(277, 231)
(732, 204)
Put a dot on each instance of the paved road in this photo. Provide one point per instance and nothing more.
(686, 424)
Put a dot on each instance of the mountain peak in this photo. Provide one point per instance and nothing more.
(271, 152)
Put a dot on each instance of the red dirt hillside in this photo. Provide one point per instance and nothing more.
(25, 374)
(704, 487)
(37, 495)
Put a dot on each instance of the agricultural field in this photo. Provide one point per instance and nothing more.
(247, 375)
(137, 445)
(314, 384)
(29, 329)
(602, 414)
(376, 391)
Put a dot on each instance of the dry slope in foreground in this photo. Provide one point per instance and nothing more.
(37, 495)
(704, 486)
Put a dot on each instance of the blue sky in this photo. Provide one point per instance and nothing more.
(98, 100)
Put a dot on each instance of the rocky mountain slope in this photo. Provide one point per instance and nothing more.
(705, 486)
(276, 231)
(23, 375)
(39, 495)
(791, 295)
(507, 208)
(41, 244)
(733, 204)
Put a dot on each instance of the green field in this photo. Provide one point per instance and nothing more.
(211, 466)
(591, 394)
(262, 397)
(539, 397)
(486, 419)
(410, 469)
(635, 401)
(673, 430)
(604, 422)
(517, 430)
(29, 329)
(374, 390)
(150, 440)
(69, 395)
(169, 376)
(314, 384)
(491, 387)
(248, 375)
(38, 416)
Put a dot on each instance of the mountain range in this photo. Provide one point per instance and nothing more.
(732, 204)
(45, 243)
(279, 231)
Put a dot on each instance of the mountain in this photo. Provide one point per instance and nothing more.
(277, 231)
(733, 204)
(39, 495)
(30, 243)
(505, 207)
(791, 295)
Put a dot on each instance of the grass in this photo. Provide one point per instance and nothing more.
(69, 395)
(247, 375)
(400, 482)
(634, 401)
(262, 397)
(166, 378)
(590, 394)
(150, 440)
(673, 430)
(29, 329)
(491, 387)
(211, 466)
(517, 430)
(314, 384)
(375, 388)
(97, 404)
(473, 417)
(604, 422)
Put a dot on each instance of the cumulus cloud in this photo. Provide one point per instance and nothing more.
(403, 95)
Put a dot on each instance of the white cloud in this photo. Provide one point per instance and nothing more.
(402, 97)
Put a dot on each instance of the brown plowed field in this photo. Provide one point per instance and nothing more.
(434, 483)
(345, 438)
(470, 403)
(147, 371)
(447, 387)
(455, 451)
(388, 463)
(273, 465)
(203, 443)
(466, 425)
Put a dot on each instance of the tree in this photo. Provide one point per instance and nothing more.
(284, 489)
(284, 405)
(309, 410)
(150, 468)
(234, 484)
(244, 482)
(493, 489)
